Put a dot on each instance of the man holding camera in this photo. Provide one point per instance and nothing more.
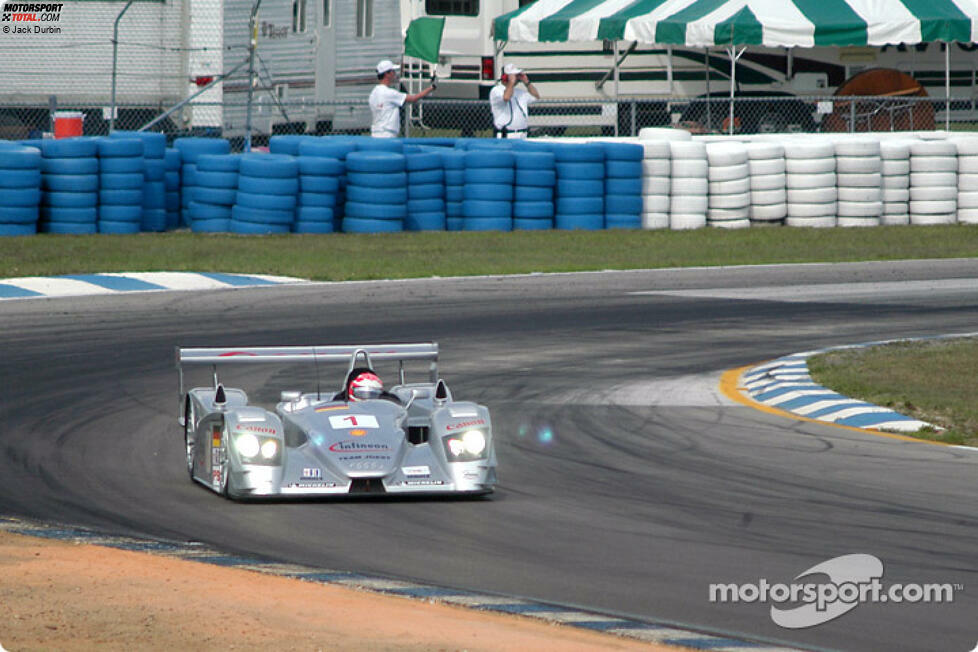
(510, 103)
(386, 102)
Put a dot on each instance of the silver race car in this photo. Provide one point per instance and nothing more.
(413, 439)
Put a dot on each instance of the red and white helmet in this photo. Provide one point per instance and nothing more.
(365, 385)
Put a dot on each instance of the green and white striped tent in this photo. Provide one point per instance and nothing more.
(774, 23)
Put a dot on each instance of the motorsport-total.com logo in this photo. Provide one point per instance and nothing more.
(30, 17)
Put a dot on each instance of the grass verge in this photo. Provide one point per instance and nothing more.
(928, 380)
(409, 255)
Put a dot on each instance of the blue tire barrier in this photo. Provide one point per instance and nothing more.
(376, 195)
(71, 199)
(588, 152)
(154, 142)
(586, 171)
(207, 179)
(19, 214)
(261, 215)
(426, 191)
(453, 209)
(419, 162)
(70, 148)
(490, 175)
(585, 222)
(489, 159)
(258, 228)
(579, 205)
(18, 229)
(425, 206)
(172, 181)
(21, 178)
(188, 175)
(69, 228)
(326, 148)
(487, 224)
(453, 160)
(191, 148)
(20, 197)
(373, 162)
(265, 202)
(376, 211)
(69, 165)
(69, 215)
(454, 177)
(536, 178)
(211, 226)
(219, 163)
(454, 223)
(287, 143)
(172, 159)
(110, 227)
(580, 188)
(481, 208)
(488, 191)
(321, 166)
(122, 165)
(533, 210)
(360, 225)
(154, 169)
(314, 214)
(120, 148)
(433, 221)
(623, 152)
(205, 195)
(173, 202)
(120, 197)
(377, 180)
(202, 211)
(312, 227)
(318, 199)
(520, 224)
(119, 181)
(535, 161)
(277, 186)
(422, 177)
(319, 184)
(154, 195)
(454, 193)
(392, 145)
(121, 213)
(533, 193)
(269, 166)
(623, 204)
(623, 169)
(154, 220)
(623, 186)
(616, 221)
(16, 157)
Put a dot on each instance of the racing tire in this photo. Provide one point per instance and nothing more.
(257, 228)
(454, 223)
(370, 211)
(287, 144)
(581, 171)
(579, 205)
(325, 148)
(457, 193)
(154, 169)
(686, 149)
(268, 166)
(967, 200)
(533, 210)
(271, 217)
(433, 177)
(69, 215)
(655, 203)
(729, 201)
(579, 153)
(208, 179)
(486, 209)
(726, 154)
(216, 225)
(310, 228)
(808, 181)
(425, 221)
(453, 160)
(632, 186)
(319, 166)
(809, 149)
(733, 186)
(487, 224)
(623, 152)
(23, 178)
(423, 161)
(932, 207)
(623, 204)
(896, 195)
(528, 224)
(968, 183)
(689, 204)
(491, 175)
(455, 177)
(19, 214)
(810, 210)
(894, 149)
(69, 165)
(532, 193)
(535, 161)
(689, 186)
(381, 145)
(863, 209)
(656, 167)
(729, 224)
(664, 134)
(154, 220)
(932, 179)
(218, 196)
(154, 143)
(895, 219)
(377, 180)
(317, 199)
(425, 206)
(902, 182)
(125, 165)
(768, 212)
(121, 181)
(967, 146)
(110, 227)
(309, 214)
(857, 148)
(623, 221)
(16, 157)
(858, 165)
(69, 228)
(536, 178)
(125, 213)
(933, 164)
(375, 162)
(937, 193)
(118, 147)
(694, 167)
(932, 219)
(319, 184)
(69, 148)
(968, 164)
(727, 214)
(276, 187)
(968, 216)
(71, 199)
(932, 148)
(768, 197)
(580, 188)
(426, 191)
(376, 195)
(859, 194)
(718, 174)
(761, 151)
(809, 165)
(10, 229)
(655, 221)
(656, 185)
(767, 166)
(361, 225)
(894, 167)
(120, 197)
(488, 191)
(202, 212)
(623, 169)
(817, 222)
(20, 197)
(687, 221)
(265, 202)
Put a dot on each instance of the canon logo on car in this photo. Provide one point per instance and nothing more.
(465, 424)
(263, 429)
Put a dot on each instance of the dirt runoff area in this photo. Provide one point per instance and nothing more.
(65, 596)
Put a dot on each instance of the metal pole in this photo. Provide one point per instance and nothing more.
(218, 79)
(252, 45)
(947, 87)
(115, 60)
(617, 79)
(733, 86)
(709, 113)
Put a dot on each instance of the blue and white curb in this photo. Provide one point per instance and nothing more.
(668, 634)
(74, 285)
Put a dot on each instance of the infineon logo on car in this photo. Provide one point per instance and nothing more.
(349, 446)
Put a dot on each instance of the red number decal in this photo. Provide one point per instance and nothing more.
(352, 420)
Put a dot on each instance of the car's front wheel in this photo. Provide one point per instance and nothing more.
(189, 437)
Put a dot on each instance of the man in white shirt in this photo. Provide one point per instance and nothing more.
(386, 102)
(510, 104)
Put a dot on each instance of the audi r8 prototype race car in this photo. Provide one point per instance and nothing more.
(363, 439)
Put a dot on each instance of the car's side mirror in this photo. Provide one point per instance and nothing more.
(291, 396)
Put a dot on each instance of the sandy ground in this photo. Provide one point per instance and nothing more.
(66, 596)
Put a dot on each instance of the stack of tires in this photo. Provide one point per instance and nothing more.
(580, 186)
(487, 203)
(70, 186)
(533, 192)
(192, 148)
(729, 186)
(154, 170)
(336, 148)
(20, 189)
(688, 192)
(454, 162)
(768, 197)
(426, 192)
(122, 176)
(811, 182)
(895, 182)
(376, 192)
(215, 193)
(967, 180)
(268, 191)
(656, 173)
(288, 144)
(367, 144)
(859, 177)
(623, 204)
(172, 180)
(319, 185)
(933, 182)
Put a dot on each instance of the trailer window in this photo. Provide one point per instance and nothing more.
(298, 16)
(523, 3)
(327, 14)
(452, 7)
(365, 18)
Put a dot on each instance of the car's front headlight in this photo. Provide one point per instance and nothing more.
(465, 446)
(257, 450)
(248, 445)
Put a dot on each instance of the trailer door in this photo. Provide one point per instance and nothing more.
(326, 55)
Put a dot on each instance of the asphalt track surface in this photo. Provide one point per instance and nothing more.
(626, 483)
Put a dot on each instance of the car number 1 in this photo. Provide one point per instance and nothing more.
(349, 421)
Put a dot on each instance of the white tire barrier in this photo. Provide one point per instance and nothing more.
(653, 185)
(968, 215)
(655, 220)
(766, 166)
(768, 182)
(858, 164)
(824, 180)
(934, 183)
(810, 165)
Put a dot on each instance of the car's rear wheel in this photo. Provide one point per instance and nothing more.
(189, 437)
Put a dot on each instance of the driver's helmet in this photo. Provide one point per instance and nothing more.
(365, 385)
